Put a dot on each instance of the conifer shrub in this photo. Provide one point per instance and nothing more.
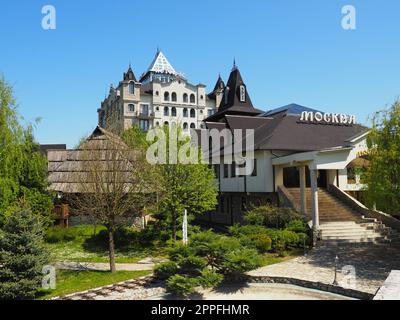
(22, 255)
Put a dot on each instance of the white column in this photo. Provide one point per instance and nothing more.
(314, 198)
(303, 199)
(278, 177)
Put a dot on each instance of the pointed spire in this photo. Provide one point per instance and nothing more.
(233, 97)
(219, 85)
(234, 64)
(129, 75)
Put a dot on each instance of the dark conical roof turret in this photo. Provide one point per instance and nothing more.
(129, 75)
(236, 99)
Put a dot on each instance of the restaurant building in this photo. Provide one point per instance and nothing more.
(303, 158)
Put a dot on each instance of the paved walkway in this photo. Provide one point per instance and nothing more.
(372, 264)
(145, 264)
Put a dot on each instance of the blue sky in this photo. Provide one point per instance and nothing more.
(287, 51)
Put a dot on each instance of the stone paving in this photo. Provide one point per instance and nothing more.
(372, 263)
(145, 264)
(137, 289)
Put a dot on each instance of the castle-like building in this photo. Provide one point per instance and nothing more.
(160, 97)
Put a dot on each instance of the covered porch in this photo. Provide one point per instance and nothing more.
(312, 173)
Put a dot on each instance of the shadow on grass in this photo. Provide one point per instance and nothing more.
(126, 243)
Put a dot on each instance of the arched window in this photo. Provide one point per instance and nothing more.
(192, 98)
(185, 98)
(173, 112)
(131, 107)
(166, 96)
(173, 97)
(166, 124)
(192, 126)
(185, 113)
(192, 113)
(157, 124)
(185, 126)
(166, 111)
(131, 88)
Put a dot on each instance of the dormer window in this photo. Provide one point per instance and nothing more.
(242, 93)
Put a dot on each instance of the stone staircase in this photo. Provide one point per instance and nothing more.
(339, 223)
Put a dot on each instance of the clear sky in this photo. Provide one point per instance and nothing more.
(287, 51)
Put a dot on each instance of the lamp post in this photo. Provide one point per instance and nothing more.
(335, 282)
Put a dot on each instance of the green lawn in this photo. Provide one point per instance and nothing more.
(273, 258)
(83, 249)
(76, 281)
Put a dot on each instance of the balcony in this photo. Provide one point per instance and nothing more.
(146, 115)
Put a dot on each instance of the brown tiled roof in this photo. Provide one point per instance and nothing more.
(286, 132)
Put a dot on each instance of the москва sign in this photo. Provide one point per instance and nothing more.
(329, 118)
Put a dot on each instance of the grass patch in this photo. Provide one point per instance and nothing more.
(76, 281)
(274, 258)
(86, 243)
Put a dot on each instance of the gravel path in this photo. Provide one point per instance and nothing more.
(145, 264)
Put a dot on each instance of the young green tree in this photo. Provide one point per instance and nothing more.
(190, 186)
(23, 170)
(383, 173)
(22, 255)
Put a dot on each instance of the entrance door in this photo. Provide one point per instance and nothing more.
(322, 179)
(291, 178)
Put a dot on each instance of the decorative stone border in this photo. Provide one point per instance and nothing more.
(313, 285)
(142, 288)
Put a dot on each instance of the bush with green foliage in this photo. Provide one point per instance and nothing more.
(182, 286)
(22, 256)
(271, 216)
(206, 262)
(264, 239)
(166, 270)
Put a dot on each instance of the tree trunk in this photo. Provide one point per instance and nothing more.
(111, 250)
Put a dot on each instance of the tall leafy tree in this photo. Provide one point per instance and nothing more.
(383, 174)
(23, 169)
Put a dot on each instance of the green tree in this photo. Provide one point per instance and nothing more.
(383, 174)
(185, 186)
(22, 255)
(23, 170)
